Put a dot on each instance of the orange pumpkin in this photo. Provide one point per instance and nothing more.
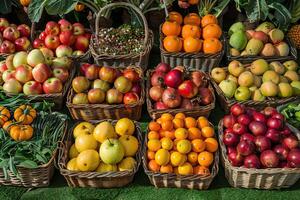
(193, 19)
(7, 125)
(190, 31)
(208, 19)
(193, 2)
(25, 3)
(4, 115)
(79, 7)
(175, 17)
(172, 44)
(21, 132)
(212, 31)
(212, 46)
(25, 114)
(171, 28)
(192, 45)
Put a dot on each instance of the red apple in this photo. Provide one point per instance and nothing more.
(235, 158)
(67, 38)
(87, 35)
(80, 84)
(274, 123)
(23, 73)
(78, 29)
(8, 74)
(11, 34)
(107, 74)
(278, 116)
(269, 111)
(24, 30)
(136, 87)
(81, 43)
(7, 47)
(52, 28)
(83, 68)
(257, 128)
(22, 44)
(131, 74)
(41, 72)
(130, 98)
(247, 136)
(259, 117)
(3, 66)
(12, 86)
(3, 24)
(245, 147)
(96, 96)
(229, 121)
(239, 129)
(65, 25)
(38, 43)
(43, 35)
(262, 143)
(61, 73)
(206, 96)
(52, 42)
(244, 119)
(188, 89)
(52, 85)
(32, 88)
(231, 139)
(290, 142)
(163, 67)
(113, 96)
(92, 72)
(237, 109)
(273, 135)
(160, 106)
(63, 50)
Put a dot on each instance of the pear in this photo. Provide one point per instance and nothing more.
(271, 76)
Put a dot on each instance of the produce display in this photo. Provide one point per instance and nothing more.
(265, 40)
(291, 112)
(181, 145)
(106, 85)
(177, 88)
(191, 34)
(13, 38)
(256, 139)
(64, 38)
(259, 80)
(34, 73)
(104, 147)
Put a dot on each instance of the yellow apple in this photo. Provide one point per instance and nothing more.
(84, 142)
(103, 131)
(185, 169)
(72, 165)
(83, 128)
(88, 160)
(127, 163)
(130, 144)
(73, 153)
(125, 126)
(103, 167)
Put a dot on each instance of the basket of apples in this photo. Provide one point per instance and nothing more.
(178, 90)
(259, 149)
(101, 154)
(64, 39)
(13, 38)
(106, 93)
(38, 75)
(258, 84)
(181, 152)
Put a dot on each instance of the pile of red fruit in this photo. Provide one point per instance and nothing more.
(64, 38)
(259, 139)
(173, 88)
(13, 38)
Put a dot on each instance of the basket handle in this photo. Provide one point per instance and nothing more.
(128, 6)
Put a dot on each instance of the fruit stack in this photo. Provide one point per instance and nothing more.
(108, 149)
(265, 40)
(259, 140)
(259, 81)
(64, 38)
(105, 88)
(13, 38)
(183, 146)
(177, 90)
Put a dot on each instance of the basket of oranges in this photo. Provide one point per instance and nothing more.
(181, 152)
(191, 41)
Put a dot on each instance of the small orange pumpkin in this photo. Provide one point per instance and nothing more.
(4, 115)
(79, 7)
(21, 132)
(8, 125)
(25, 114)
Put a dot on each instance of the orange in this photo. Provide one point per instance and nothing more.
(193, 19)
(208, 131)
(166, 116)
(208, 19)
(198, 145)
(205, 158)
(166, 169)
(153, 166)
(211, 31)
(162, 133)
(154, 126)
(167, 125)
(178, 123)
(172, 44)
(193, 2)
(211, 144)
(175, 17)
(180, 116)
(190, 122)
(162, 157)
(169, 134)
(201, 170)
(150, 155)
(159, 120)
(177, 159)
(193, 158)
(153, 135)
(184, 146)
(190, 31)
(185, 169)
(192, 45)
(202, 122)
(194, 133)
(166, 143)
(212, 46)
(171, 28)
(175, 144)
(181, 133)
(154, 145)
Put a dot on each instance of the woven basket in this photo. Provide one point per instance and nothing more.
(105, 111)
(37, 177)
(226, 103)
(195, 112)
(122, 60)
(96, 179)
(160, 180)
(271, 178)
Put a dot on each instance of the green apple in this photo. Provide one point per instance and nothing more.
(242, 93)
(236, 68)
(291, 65)
(285, 90)
(257, 96)
(228, 87)
(35, 57)
(258, 67)
(246, 79)
(296, 87)
(111, 151)
(20, 58)
(63, 62)
(218, 74)
(232, 78)
(269, 89)
(271, 76)
(127, 164)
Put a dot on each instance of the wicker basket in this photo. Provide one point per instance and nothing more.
(271, 178)
(105, 111)
(122, 60)
(160, 180)
(226, 103)
(37, 177)
(95, 179)
(195, 112)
